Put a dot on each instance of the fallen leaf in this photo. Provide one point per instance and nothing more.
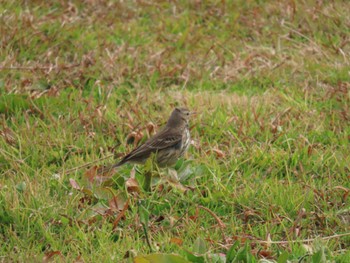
(131, 119)
(91, 173)
(118, 202)
(132, 185)
(9, 136)
(151, 128)
(95, 176)
(176, 241)
(346, 190)
(134, 137)
(180, 187)
(263, 253)
(74, 184)
(218, 153)
(79, 260)
(121, 214)
(49, 256)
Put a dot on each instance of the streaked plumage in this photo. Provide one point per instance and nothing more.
(169, 144)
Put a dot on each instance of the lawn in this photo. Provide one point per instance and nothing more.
(267, 176)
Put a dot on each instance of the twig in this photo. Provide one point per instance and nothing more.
(40, 67)
(120, 215)
(86, 165)
(181, 217)
(301, 241)
(218, 220)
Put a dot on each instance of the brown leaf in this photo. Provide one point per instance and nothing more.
(264, 254)
(53, 92)
(151, 128)
(94, 175)
(346, 190)
(8, 135)
(176, 241)
(121, 214)
(131, 119)
(180, 187)
(309, 150)
(49, 256)
(79, 260)
(117, 203)
(273, 129)
(99, 111)
(219, 154)
(91, 173)
(132, 185)
(339, 187)
(74, 184)
(134, 137)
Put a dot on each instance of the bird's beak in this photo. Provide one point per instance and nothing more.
(193, 113)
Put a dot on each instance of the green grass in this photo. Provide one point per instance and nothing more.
(270, 155)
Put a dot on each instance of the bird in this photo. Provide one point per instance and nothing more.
(168, 145)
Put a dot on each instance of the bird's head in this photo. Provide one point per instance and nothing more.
(179, 117)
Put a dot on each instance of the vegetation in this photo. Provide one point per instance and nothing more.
(266, 177)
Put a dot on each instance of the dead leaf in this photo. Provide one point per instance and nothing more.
(132, 185)
(91, 173)
(87, 192)
(97, 175)
(219, 154)
(264, 254)
(49, 256)
(79, 260)
(346, 190)
(309, 150)
(8, 135)
(131, 119)
(151, 128)
(134, 137)
(74, 184)
(120, 215)
(180, 187)
(176, 241)
(117, 203)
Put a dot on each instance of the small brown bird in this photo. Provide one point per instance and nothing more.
(168, 145)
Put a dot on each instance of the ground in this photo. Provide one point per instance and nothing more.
(267, 174)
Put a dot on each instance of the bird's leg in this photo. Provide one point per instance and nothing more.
(149, 165)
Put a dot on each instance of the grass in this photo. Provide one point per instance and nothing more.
(270, 154)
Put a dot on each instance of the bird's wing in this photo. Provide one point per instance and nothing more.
(161, 140)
